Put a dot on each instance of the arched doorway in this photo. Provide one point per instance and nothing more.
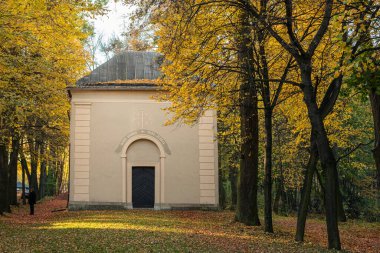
(143, 158)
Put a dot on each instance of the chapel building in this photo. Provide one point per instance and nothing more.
(122, 156)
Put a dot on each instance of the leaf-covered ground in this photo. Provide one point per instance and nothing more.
(164, 231)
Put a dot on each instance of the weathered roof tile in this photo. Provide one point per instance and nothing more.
(123, 68)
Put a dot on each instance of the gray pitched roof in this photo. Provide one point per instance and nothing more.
(127, 65)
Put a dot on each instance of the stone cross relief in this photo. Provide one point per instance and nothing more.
(142, 120)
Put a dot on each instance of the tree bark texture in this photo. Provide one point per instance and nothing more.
(268, 111)
(375, 106)
(24, 166)
(247, 208)
(326, 155)
(306, 191)
(4, 203)
(12, 185)
(34, 156)
(268, 172)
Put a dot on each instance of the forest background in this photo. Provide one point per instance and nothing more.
(295, 85)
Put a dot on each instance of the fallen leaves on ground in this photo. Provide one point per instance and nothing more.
(165, 231)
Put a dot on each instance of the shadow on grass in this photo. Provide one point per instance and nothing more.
(167, 235)
(146, 231)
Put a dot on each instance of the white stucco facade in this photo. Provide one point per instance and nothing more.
(115, 130)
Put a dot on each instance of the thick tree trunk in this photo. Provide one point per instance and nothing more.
(247, 208)
(341, 213)
(326, 155)
(4, 203)
(375, 106)
(268, 172)
(12, 167)
(306, 191)
(328, 164)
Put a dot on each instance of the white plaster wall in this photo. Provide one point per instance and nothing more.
(115, 114)
(143, 151)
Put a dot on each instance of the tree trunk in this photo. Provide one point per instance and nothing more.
(222, 192)
(24, 166)
(341, 213)
(276, 202)
(268, 111)
(23, 186)
(326, 155)
(42, 172)
(60, 166)
(268, 172)
(247, 208)
(294, 200)
(281, 192)
(232, 173)
(322, 185)
(34, 155)
(25, 171)
(4, 203)
(375, 106)
(12, 167)
(306, 190)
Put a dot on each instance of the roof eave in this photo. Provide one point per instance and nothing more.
(113, 88)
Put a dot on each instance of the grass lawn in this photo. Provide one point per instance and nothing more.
(165, 231)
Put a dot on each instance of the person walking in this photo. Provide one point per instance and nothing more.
(32, 200)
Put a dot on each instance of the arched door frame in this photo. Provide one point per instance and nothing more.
(127, 171)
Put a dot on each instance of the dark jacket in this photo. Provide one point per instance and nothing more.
(32, 198)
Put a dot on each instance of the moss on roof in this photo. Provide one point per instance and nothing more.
(128, 67)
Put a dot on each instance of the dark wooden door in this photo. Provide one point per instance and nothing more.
(143, 187)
